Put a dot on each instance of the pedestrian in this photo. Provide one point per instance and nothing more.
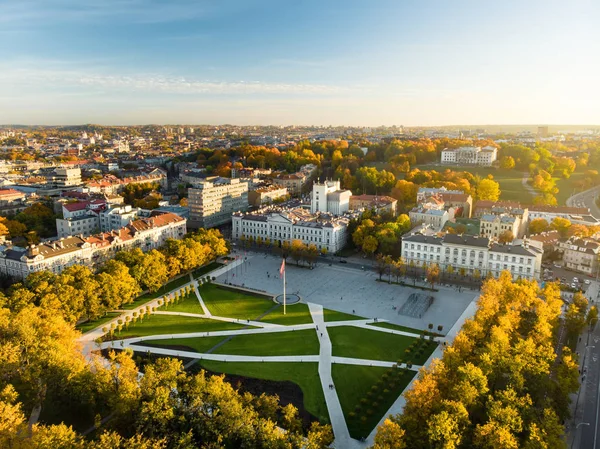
(317, 327)
(321, 334)
(353, 311)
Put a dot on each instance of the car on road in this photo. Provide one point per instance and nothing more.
(587, 282)
(343, 261)
(575, 280)
(557, 265)
(573, 285)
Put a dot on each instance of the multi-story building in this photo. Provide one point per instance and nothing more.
(67, 177)
(215, 199)
(485, 156)
(576, 215)
(492, 226)
(266, 195)
(432, 213)
(285, 225)
(472, 254)
(9, 196)
(380, 204)
(89, 217)
(581, 255)
(117, 217)
(295, 183)
(462, 202)
(329, 198)
(146, 234)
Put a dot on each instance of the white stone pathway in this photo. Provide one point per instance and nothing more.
(325, 359)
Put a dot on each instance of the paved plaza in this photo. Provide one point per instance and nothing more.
(349, 290)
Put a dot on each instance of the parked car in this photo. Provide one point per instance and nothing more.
(343, 261)
(557, 265)
(575, 280)
(587, 282)
(574, 285)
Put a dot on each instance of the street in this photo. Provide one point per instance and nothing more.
(586, 199)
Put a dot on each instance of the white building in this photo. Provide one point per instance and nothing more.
(286, 225)
(328, 197)
(117, 217)
(581, 255)
(89, 217)
(576, 215)
(215, 199)
(469, 156)
(67, 177)
(146, 234)
(431, 213)
(473, 254)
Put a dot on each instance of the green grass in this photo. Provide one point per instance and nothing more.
(361, 343)
(334, 315)
(303, 342)
(472, 225)
(164, 289)
(174, 324)
(295, 314)
(399, 327)
(232, 303)
(354, 382)
(189, 304)
(89, 325)
(201, 344)
(305, 375)
(566, 187)
(206, 269)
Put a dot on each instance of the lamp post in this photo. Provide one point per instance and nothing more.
(577, 427)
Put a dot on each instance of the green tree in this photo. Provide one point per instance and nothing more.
(488, 189)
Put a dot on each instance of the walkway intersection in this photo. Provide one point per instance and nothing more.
(325, 359)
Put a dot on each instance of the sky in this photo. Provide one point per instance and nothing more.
(304, 62)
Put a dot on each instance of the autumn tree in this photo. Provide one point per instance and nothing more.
(538, 225)
(506, 237)
(488, 189)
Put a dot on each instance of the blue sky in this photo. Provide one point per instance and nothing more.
(377, 62)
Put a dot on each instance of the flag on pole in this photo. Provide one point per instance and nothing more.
(282, 269)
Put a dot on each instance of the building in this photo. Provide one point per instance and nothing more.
(432, 213)
(146, 234)
(473, 255)
(297, 182)
(117, 217)
(266, 195)
(283, 225)
(462, 202)
(580, 255)
(542, 132)
(10, 196)
(485, 156)
(328, 197)
(576, 215)
(380, 204)
(67, 177)
(492, 226)
(215, 199)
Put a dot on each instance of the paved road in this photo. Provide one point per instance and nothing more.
(587, 417)
(586, 199)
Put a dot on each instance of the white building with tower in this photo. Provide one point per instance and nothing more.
(328, 197)
(485, 156)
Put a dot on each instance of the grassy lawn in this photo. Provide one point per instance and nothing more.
(174, 324)
(566, 187)
(89, 325)
(305, 375)
(164, 289)
(232, 303)
(303, 342)
(201, 344)
(354, 383)
(360, 343)
(334, 315)
(399, 327)
(189, 304)
(295, 314)
(206, 269)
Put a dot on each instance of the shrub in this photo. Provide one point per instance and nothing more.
(369, 393)
(369, 412)
(386, 391)
(352, 415)
(374, 388)
(364, 401)
(375, 404)
(358, 408)
(363, 419)
(380, 397)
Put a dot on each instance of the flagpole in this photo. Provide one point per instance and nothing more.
(284, 298)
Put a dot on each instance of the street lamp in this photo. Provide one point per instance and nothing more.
(582, 424)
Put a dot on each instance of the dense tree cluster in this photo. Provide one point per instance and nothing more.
(563, 226)
(37, 220)
(497, 386)
(77, 293)
(378, 233)
(133, 193)
(44, 379)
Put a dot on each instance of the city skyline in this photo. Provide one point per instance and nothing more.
(260, 63)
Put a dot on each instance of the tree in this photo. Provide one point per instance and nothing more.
(433, 274)
(592, 317)
(506, 237)
(488, 189)
(561, 225)
(507, 162)
(382, 265)
(538, 225)
(369, 245)
(151, 273)
(297, 249)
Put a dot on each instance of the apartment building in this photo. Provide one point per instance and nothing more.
(146, 234)
(380, 204)
(492, 226)
(295, 183)
(213, 201)
(266, 195)
(67, 177)
(581, 255)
